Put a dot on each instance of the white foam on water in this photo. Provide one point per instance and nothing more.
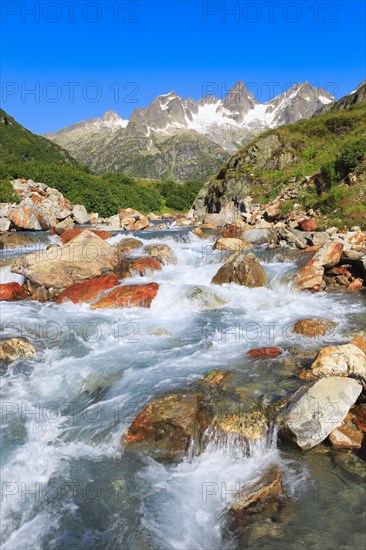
(98, 360)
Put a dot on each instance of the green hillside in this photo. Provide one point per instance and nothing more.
(324, 157)
(19, 144)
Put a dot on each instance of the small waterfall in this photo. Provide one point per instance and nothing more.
(239, 445)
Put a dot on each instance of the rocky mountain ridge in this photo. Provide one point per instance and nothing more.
(183, 138)
(308, 154)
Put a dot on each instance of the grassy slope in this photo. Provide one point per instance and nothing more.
(18, 143)
(313, 144)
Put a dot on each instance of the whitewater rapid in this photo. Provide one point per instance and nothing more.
(66, 480)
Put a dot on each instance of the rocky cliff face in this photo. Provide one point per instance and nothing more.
(203, 133)
(262, 169)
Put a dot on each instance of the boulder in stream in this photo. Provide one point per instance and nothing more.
(128, 296)
(243, 270)
(14, 348)
(86, 256)
(313, 327)
(12, 291)
(162, 253)
(318, 409)
(347, 360)
(168, 425)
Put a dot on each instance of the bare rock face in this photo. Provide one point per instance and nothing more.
(162, 253)
(13, 348)
(243, 270)
(167, 425)
(347, 360)
(84, 257)
(316, 410)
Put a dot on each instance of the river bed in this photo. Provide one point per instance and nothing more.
(67, 481)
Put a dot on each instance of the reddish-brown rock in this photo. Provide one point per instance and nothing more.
(88, 290)
(307, 225)
(358, 416)
(360, 342)
(264, 352)
(347, 436)
(132, 220)
(128, 296)
(314, 248)
(69, 234)
(167, 425)
(329, 254)
(313, 327)
(143, 266)
(12, 291)
(310, 277)
(357, 284)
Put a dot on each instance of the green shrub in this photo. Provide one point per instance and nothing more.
(7, 193)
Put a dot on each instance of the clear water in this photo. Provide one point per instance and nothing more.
(66, 480)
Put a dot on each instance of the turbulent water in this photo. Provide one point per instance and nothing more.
(66, 480)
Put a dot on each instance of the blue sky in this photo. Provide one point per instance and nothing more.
(82, 58)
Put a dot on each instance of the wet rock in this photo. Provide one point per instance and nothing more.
(80, 214)
(70, 234)
(88, 290)
(86, 256)
(215, 376)
(347, 436)
(307, 225)
(14, 348)
(143, 266)
(128, 296)
(205, 298)
(255, 498)
(264, 352)
(232, 244)
(37, 293)
(167, 425)
(309, 277)
(125, 245)
(358, 416)
(12, 291)
(198, 232)
(162, 253)
(346, 360)
(132, 220)
(318, 409)
(243, 270)
(161, 331)
(313, 327)
(15, 240)
(184, 222)
(360, 342)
